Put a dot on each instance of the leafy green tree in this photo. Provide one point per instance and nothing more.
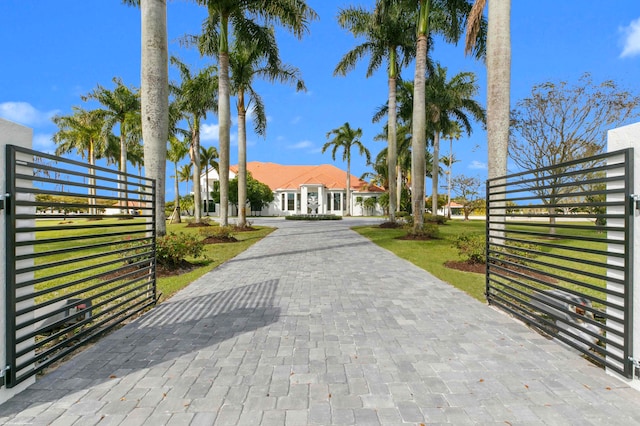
(185, 174)
(389, 36)
(258, 194)
(208, 156)
(243, 17)
(195, 97)
(346, 138)
(246, 62)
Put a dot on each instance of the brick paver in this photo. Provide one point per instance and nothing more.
(317, 325)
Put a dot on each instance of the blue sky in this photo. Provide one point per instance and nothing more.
(55, 51)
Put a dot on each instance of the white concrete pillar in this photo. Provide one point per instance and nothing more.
(10, 134)
(622, 138)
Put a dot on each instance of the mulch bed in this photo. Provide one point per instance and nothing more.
(391, 225)
(415, 237)
(218, 240)
(183, 268)
(244, 228)
(460, 265)
(197, 225)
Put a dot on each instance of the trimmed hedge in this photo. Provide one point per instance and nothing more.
(313, 217)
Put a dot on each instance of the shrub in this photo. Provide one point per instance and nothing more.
(472, 247)
(440, 220)
(516, 248)
(136, 251)
(173, 248)
(218, 232)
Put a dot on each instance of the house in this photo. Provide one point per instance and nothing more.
(306, 189)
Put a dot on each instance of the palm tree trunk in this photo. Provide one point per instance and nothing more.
(224, 116)
(392, 146)
(154, 98)
(498, 93)
(348, 200)
(92, 180)
(206, 186)
(435, 169)
(124, 196)
(195, 158)
(176, 211)
(242, 160)
(419, 131)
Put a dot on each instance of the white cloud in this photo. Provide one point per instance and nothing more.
(478, 165)
(24, 113)
(301, 145)
(296, 119)
(631, 35)
(209, 132)
(44, 142)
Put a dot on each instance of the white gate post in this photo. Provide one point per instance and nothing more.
(617, 139)
(10, 134)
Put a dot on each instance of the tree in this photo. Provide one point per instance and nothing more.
(176, 152)
(195, 97)
(453, 133)
(154, 97)
(469, 191)
(121, 107)
(448, 104)
(560, 123)
(258, 194)
(388, 35)
(242, 16)
(185, 174)
(208, 156)
(82, 132)
(498, 85)
(346, 138)
(247, 61)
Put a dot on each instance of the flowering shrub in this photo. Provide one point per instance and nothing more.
(173, 248)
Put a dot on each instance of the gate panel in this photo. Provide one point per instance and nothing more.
(559, 253)
(80, 256)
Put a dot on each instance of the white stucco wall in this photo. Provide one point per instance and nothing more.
(622, 138)
(10, 134)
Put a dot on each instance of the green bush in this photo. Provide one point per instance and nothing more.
(173, 248)
(516, 248)
(440, 220)
(136, 251)
(472, 247)
(220, 232)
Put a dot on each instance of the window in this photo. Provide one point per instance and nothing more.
(337, 201)
(291, 201)
(282, 202)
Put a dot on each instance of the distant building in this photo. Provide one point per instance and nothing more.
(304, 190)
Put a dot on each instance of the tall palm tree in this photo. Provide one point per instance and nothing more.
(195, 97)
(243, 16)
(498, 82)
(449, 101)
(208, 157)
(82, 132)
(121, 106)
(176, 152)
(346, 138)
(246, 62)
(185, 174)
(154, 94)
(389, 35)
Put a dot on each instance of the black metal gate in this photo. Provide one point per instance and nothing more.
(80, 256)
(559, 253)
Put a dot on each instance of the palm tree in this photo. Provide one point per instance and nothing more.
(176, 152)
(185, 174)
(389, 35)
(154, 94)
(195, 97)
(246, 62)
(82, 132)
(452, 133)
(121, 107)
(448, 102)
(346, 138)
(208, 158)
(498, 83)
(242, 16)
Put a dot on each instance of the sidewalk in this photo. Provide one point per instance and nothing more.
(316, 325)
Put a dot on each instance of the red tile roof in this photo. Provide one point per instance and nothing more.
(278, 176)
